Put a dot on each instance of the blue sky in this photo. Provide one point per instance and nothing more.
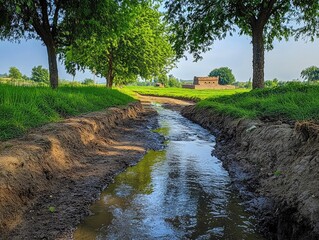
(284, 62)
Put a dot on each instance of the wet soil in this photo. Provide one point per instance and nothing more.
(49, 177)
(274, 166)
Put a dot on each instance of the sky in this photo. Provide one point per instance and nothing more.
(284, 62)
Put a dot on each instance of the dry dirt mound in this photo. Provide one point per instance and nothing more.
(274, 161)
(49, 177)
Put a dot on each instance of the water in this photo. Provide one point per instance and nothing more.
(181, 192)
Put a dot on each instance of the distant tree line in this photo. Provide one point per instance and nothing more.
(310, 74)
(39, 75)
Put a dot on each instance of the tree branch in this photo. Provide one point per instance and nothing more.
(55, 18)
(45, 17)
(266, 11)
(36, 21)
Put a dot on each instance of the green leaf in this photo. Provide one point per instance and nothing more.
(52, 209)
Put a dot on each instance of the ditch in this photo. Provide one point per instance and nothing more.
(180, 192)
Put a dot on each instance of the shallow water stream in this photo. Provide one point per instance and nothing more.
(181, 192)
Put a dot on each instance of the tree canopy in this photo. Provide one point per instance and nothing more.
(40, 74)
(88, 81)
(173, 81)
(15, 73)
(310, 74)
(225, 75)
(134, 45)
(38, 19)
(197, 24)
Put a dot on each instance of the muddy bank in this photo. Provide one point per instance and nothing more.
(49, 177)
(274, 165)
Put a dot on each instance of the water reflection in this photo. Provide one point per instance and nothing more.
(180, 193)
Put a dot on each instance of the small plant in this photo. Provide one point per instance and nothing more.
(52, 209)
(277, 173)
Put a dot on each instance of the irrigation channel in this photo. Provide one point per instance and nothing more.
(180, 192)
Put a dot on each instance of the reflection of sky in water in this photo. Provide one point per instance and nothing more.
(180, 193)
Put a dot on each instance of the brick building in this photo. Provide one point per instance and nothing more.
(207, 83)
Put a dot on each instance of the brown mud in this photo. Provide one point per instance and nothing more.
(274, 166)
(49, 177)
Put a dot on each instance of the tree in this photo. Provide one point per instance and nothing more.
(88, 81)
(15, 73)
(135, 44)
(173, 81)
(225, 75)
(40, 74)
(272, 83)
(25, 77)
(39, 19)
(310, 74)
(197, 24)
(163, 79)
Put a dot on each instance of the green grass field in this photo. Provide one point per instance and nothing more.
(292, 102)
(22, 108)
(182, 93)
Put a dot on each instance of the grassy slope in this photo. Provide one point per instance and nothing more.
(22, 108)
(294, 102)
(183, 93)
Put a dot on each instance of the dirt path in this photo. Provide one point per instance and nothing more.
(171, 103)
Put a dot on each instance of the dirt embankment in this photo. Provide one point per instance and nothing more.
(275, 167)
(49, 178)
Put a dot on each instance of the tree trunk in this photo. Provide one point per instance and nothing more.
(258, 58)
(53, 66)
(110, 74)
(110, 77)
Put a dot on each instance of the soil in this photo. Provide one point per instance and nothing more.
(171, 103)
(274, 166)
(50, 177)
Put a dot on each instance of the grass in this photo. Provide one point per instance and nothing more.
(292, 102)
(182, 93)
(22, 108)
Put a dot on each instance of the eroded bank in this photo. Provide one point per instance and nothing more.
(274, 166)
(49, 177)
